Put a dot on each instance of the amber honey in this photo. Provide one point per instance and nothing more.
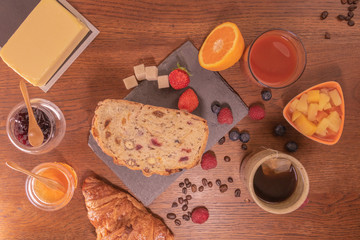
(45, 197)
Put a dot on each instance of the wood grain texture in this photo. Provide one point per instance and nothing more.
(145, 31)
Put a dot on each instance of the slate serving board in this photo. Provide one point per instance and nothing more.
(208, 85)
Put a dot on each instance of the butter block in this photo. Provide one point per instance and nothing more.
(130, 82)
(43, 42)
(151, 73)
(163, 81)
(139, 72)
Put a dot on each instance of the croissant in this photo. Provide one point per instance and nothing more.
(117, 215)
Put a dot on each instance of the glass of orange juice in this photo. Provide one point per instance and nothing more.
(46, 198)
(275, 59)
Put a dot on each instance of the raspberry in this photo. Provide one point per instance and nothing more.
(200, 215)
(225, 116)
(188, 101)
(179, 78)
(256, 112)
(208, 161)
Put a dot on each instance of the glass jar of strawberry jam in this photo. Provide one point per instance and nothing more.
(49, 118)
(46, 198)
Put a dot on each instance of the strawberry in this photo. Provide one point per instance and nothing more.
(225, 116)
(188, 101)
(256, 112)
(179, 78)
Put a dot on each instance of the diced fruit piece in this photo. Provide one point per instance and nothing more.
(313, 96)
(321, 115)
(324, 90)
(295, 115)
(335, 97)
(335, 121)
(293, 105)
(327, 106)
(302, 105)
(305, 126)
(313, 109)
(323, 100)
(322, 126)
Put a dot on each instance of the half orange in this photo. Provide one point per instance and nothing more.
(222, 48)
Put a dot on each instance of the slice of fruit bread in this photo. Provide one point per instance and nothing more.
(153, 139)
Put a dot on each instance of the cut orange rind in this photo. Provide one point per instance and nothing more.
(222, 48)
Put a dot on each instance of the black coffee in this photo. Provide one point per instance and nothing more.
(275, 187)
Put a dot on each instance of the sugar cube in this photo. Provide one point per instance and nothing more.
(151, 73)
(163, 81)
(139, 71)
(130, 82)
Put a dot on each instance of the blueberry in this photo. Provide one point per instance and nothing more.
(221, 141)
(266, 94)
(243, 146)
(215, 108)
(279, 130)
(234, 135)
(244, 137)
(291, 146)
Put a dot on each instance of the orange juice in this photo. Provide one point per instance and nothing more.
(275, 59)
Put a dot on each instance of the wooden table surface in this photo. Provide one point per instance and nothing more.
(133, 32)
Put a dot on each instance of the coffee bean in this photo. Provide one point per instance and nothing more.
(186, 217)
(184, 190)
(244, 146)
(177, 222)
(341, 17)
(193, 188)
(347, 18)
(237, 192)
(350, 1)
(352, 8)
(186, 181)
(355, 1)
(351, 23)
(204, 182)
(343, 1)
(180, 200)
(201, 188)
(188, 185)
(324, 15)
(188, 197)
(171, 216)
(227, 159)
(174, 204)
(181, 184)
(230, 179)
(351, 14)
(210, 184)
(186, 202)
(184, 207)
(327, 35)
(221, 141)
(223, 188)
(218, 182)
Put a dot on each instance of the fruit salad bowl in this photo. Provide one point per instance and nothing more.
(318, 112)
